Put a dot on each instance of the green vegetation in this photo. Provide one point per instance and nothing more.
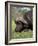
(22, 35)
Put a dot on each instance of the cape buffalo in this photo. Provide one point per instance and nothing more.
(24, 22)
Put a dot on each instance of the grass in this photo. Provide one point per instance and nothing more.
(22, 35)
(18, 35)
